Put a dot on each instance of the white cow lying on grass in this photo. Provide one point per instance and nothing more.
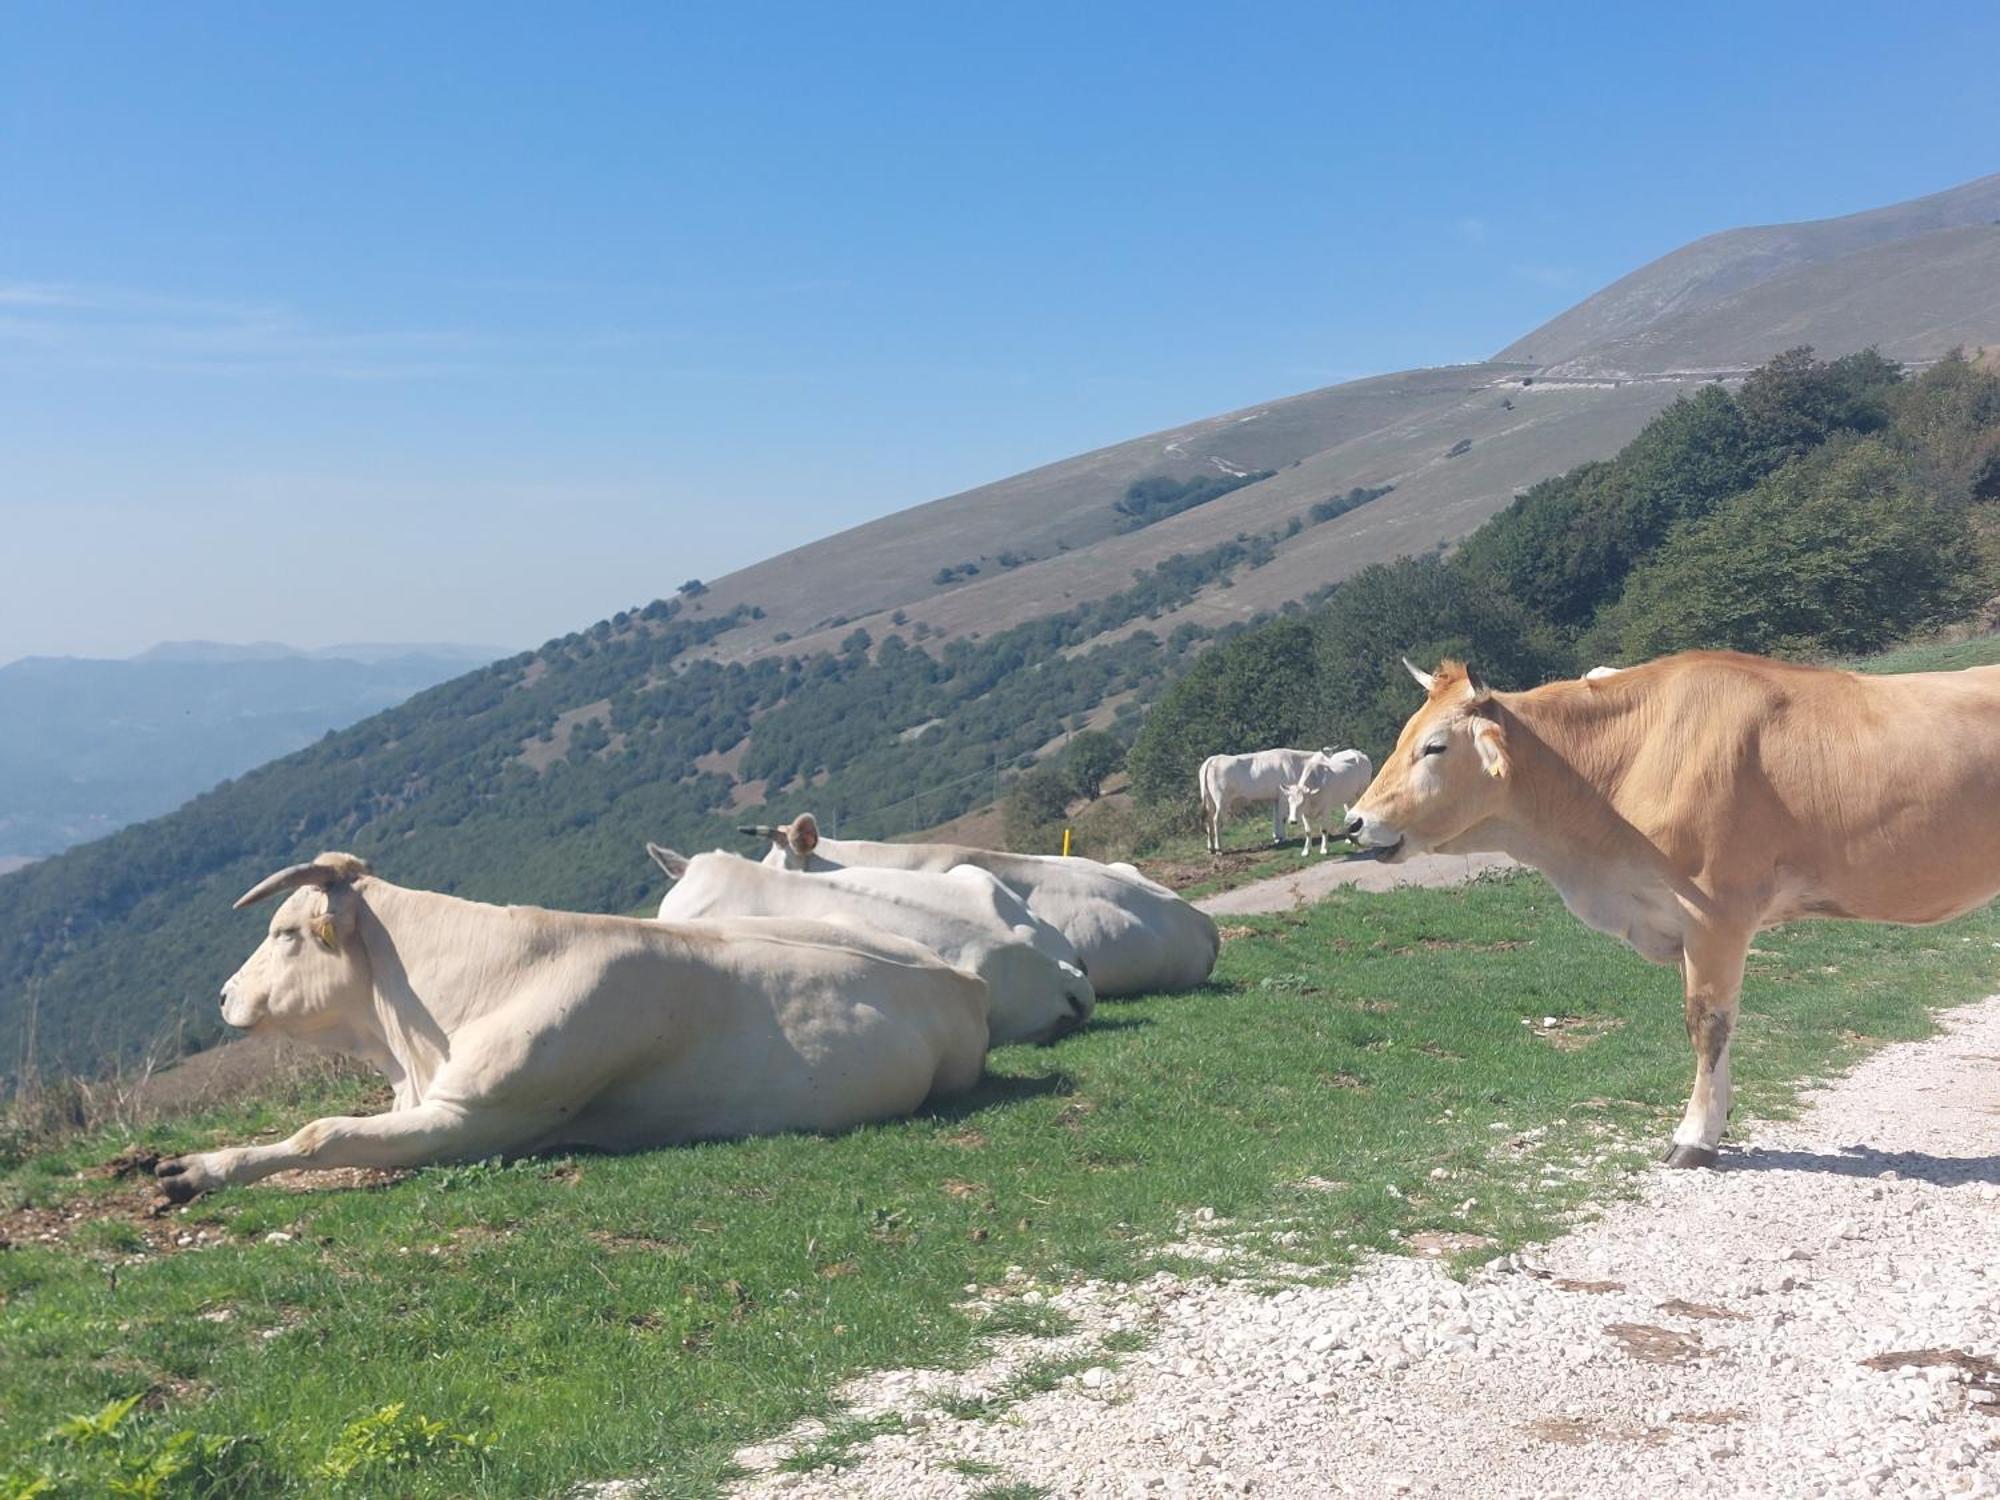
(1329, 782)
(507, 1029)
(1228, 782)
(1132, 935)
(964, 915)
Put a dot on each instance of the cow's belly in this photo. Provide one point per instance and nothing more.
(809, 1057)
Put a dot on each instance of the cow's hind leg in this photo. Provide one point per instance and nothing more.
(1713, 965)
(399, 1138)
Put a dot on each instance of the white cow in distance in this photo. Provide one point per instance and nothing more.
(508, 1029)
(964, 915)
(1329, 782)
(1132, 935)
(1229, 782)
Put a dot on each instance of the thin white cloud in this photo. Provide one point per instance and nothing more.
(53, 324)
(1550, 276)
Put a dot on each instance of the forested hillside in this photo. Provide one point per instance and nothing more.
(1825, 508)
(537, 780)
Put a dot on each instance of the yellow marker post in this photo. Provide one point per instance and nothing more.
(1065, 843)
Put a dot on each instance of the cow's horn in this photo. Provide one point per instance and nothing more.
(322, 872)
(1424, 678)
(757, 830)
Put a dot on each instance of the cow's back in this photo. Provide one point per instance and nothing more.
(1131, 935)
(1813, 791)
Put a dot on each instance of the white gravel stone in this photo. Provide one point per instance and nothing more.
(1878, 1204)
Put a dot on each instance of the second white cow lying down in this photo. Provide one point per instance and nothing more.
(1132, 935)
(964, 915)
(509, 1030)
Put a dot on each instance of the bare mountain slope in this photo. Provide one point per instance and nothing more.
(1913, 278)
(1913, 299)
(1699, 275)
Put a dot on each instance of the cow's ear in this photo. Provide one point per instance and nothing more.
(1490, 740)
(803, 835)
(325, 934)
(1474, 683)
(673, 863)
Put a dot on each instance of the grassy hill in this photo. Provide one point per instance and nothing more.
(892, 676)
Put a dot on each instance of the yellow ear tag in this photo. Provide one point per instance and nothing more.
(323, 931)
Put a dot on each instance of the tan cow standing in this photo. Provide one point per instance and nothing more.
(1686, 804)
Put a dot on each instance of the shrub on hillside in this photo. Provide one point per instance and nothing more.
(1834, 553)
(1090, 756)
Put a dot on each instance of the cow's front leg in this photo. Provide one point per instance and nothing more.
(1278, 821)
(1305, 843)
(1713, 966)
(399, 1138)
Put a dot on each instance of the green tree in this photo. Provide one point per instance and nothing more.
(1796, 401)
(1253, 692)
(1091, 756)
(1837, 553)
(1039, 797)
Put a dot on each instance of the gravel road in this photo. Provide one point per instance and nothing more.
(1819, 1316)
(1313, 879)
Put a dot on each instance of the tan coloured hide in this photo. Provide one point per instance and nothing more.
(1683, 805)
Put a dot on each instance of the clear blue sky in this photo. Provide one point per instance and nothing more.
(479, 322)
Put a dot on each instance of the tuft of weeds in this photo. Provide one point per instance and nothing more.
(838, 1443)
(1014, 1317)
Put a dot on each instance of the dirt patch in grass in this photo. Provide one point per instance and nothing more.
(1345, 1081)
(1679, 1308)
(335, 1179)
(1979, 1372)
(623, 1243)
(1573, 1033)
(1573, 1284)
(1655, 1346)
(1582, 1432)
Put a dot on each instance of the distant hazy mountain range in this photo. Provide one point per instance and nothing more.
(88, 745)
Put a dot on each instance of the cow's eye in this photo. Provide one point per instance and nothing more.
(1435, 747)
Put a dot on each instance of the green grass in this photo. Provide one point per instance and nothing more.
(1934, 656)
(645, 1315)
(1182, 860)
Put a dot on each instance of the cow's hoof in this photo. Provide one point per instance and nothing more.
(1690, 1156)
(179, 1180)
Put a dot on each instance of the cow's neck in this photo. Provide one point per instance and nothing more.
(1567, 760)
(438, 963)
